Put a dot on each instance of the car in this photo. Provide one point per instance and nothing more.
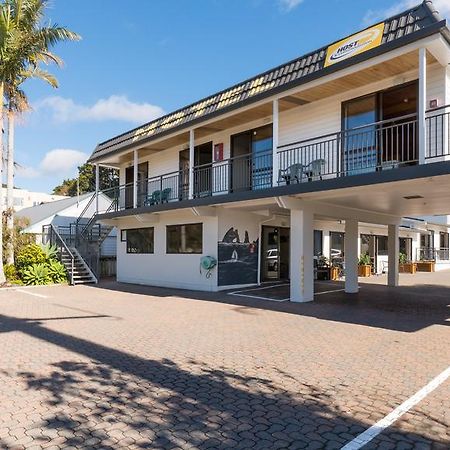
(272, 260)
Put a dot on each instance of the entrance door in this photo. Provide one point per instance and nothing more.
(202, 175)
(251, 166)
(275, 253)
(398, 136)
(142, 187)
(369, 145)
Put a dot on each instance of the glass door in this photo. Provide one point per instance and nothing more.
(262, 146)
(251, 166)
(359, 135)
(275, 253)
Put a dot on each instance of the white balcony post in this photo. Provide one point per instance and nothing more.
(351, 256)
(275, 133)
(97, 186)
(191, 162)
(135, 178)
(421, 117)
(393, 255)
(302, 256)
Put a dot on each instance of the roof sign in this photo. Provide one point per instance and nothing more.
(354, 45)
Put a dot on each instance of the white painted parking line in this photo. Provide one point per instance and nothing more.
(243, 293)
(372, 432)
(23, 291)
(259, 298)
(329, 292)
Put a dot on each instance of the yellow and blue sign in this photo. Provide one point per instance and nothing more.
(355, 44)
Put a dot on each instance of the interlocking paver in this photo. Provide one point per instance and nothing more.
(153, 368)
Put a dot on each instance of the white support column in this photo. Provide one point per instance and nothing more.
(97, 185)
(351, 256)
(421, 123)
(275, 133)
(302, 255)
(393, 255)
(191, 162)
(135, 178)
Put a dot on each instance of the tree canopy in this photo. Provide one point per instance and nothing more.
(86, 177)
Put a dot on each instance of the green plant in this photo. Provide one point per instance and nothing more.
(29, 255)
(36, 274)
(11, 274)
(323, 261)
(364, 260)
(56, 271)
(50, 251)
(402, 258)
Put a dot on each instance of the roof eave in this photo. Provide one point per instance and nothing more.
(437, 27)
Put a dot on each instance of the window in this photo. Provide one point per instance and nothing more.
(318, 242)
(184, 238)
(140, 240)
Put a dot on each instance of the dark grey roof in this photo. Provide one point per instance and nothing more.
(41, 212)
(398, 30)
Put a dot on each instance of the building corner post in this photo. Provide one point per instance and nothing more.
(97, 185)
(393, 255)
(351, 256)
(191, 162)
(302, 256)
(135, 178)
(421, 116)
(275, 140)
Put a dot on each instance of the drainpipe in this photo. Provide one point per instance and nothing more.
(191, 162)
(275, 134)
(260, 224)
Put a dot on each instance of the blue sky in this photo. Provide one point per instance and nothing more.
(141, 58)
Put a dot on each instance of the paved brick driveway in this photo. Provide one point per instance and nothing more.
(92, 367)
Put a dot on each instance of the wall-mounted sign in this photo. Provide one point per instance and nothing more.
(354, 45)
(434, 103)
(218, 152)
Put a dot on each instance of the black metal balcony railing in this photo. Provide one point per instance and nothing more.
(378, 146)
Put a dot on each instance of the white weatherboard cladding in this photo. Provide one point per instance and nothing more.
(304, 122)
(170, 270)
(324, 116)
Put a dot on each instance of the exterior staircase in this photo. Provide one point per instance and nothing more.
(79, 245)
(81, 273)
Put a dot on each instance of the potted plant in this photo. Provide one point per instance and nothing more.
(364, 265)
(406, 266)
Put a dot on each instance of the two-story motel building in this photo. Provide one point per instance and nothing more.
(354, 133)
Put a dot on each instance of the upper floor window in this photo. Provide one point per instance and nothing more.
(140, 240)
(184, 238)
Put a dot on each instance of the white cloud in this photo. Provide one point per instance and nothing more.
(288, 5)
(443, 6)
(115, 107)
(60, 161)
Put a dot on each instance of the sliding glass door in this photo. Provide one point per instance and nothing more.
(379, 130)
(251, 165)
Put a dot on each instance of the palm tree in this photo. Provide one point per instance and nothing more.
(24, 44)
(17, 103)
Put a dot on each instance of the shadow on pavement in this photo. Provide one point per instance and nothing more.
(118, 399)
(405, 308)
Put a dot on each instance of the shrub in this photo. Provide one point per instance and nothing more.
(29, 255)
(11, 274)
(36, 274)
(50, 251)
(56, 271)
(402, 258)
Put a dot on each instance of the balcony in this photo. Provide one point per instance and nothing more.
(379, 146)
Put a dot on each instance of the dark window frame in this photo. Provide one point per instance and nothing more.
(168, 227)
(152, 244)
